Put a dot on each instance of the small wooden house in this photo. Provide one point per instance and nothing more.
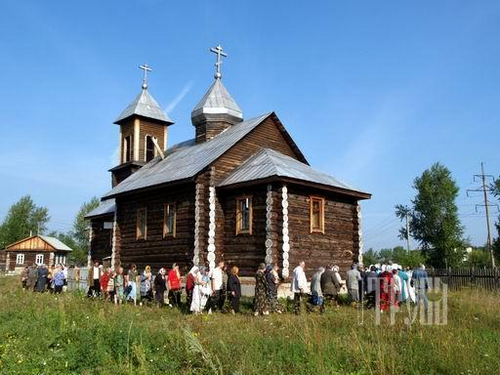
(239, 191)
(35, 249)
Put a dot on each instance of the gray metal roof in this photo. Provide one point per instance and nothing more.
(217, 100)
(144, 105)
(186, 159)
(55, 243)
(269, 163)
(107, 207)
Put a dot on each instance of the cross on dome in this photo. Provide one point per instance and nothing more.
(146, 68)
(218, 51)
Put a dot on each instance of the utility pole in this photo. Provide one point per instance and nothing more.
(486, 189)
(408, 232)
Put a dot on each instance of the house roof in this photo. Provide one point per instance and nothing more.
(105, 208)
(185, 160)
(55, 243)
(217, 100)
(270, 163)
(146, 106)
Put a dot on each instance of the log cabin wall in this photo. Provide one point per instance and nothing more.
(29, 258)
(100, 246)
(246, 251)
(340, 242)
(266, 135)
(155, 250)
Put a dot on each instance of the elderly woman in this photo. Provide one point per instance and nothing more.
(260, 306)
(317, 294)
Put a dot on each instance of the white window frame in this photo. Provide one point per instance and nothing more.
(39, 259)
(18, 257)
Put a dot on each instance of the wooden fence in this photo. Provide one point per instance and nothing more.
(487, 278)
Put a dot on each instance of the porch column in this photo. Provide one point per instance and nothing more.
(360, 235)
(286, 239)
(211, 228)
(269, 228)
(197, 215)
(113, 242)
(89, 254)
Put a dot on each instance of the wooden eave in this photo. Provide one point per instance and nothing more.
(352, 193)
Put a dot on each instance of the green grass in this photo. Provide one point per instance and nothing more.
(70, 334)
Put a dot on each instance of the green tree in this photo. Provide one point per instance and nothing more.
(434, 217)
(496, 241)
(79, 233)
(370, 257)
(24, 217)
(478, 257)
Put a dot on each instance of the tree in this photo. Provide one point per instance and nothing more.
(496, 241)
(24, 217)
(79, 233)
(434, 217)
(370, 257)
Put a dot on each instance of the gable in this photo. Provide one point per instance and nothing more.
(269, 134)
(31, 243)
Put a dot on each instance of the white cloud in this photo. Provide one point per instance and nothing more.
(171, 106)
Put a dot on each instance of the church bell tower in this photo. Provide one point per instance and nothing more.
(143, 129)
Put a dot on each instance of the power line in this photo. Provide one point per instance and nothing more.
(485, 190)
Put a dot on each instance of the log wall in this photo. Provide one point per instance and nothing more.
(155, 250)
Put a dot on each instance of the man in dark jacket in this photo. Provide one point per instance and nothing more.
(330, 287)
(371, 283)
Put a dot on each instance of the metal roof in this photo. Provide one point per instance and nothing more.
(186, 159)
(144, 105)
(105, 208)
(217, 100)
(269, 163)
(55, 243)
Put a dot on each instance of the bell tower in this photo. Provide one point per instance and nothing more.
(143, 129)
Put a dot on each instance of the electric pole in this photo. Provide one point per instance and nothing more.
(486, 189)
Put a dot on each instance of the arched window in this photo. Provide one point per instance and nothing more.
(150, 148)
(127, 149)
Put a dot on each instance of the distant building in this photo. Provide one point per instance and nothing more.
(35, 249)
(239, 191)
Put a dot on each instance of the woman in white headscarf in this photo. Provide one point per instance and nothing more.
(190, 283)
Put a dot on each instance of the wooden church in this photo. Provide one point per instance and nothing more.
(239, 191)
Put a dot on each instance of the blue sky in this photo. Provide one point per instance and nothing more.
(373, 92)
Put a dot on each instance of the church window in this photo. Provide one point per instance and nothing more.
(150, 148)
(127, 149)
(317, 215)
(244, 215)
(142, 226)
(20, 259)
(169, 220)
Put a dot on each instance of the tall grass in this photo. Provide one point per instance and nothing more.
(70, 334)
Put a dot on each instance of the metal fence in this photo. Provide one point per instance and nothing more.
(487, 278)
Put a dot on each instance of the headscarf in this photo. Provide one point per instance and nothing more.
(194, 270)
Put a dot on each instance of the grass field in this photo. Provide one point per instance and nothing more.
(70, 334)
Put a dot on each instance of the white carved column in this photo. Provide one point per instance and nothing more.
(89, 254)
(286, 239)
(113, 241)
(211, 228)
(197, 213)
(269, 216)
(360, 235)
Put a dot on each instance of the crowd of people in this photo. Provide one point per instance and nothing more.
(377, 286)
